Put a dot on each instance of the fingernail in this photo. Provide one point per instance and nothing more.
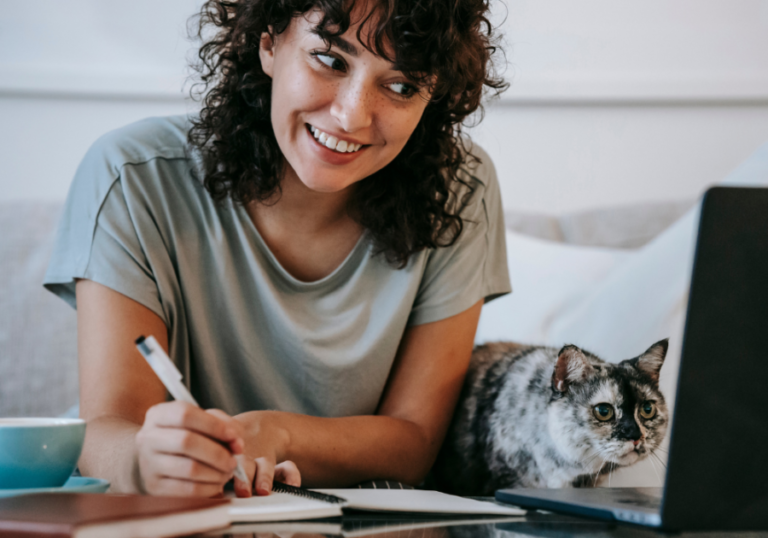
(264, 486)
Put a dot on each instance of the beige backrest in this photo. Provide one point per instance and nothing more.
(38, 331)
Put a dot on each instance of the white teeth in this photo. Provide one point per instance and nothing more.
(331, 142)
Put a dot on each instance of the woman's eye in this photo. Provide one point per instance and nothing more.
(330, 61)
(403, 89)
(603, 412)
(648, 410)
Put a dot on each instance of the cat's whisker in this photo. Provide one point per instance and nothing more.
(658, 458)
(589, 462)
(597, 474)
(655, 470)
(610, 474)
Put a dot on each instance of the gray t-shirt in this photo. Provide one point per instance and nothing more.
(245, 334)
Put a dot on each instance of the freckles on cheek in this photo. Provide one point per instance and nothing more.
(396, 132)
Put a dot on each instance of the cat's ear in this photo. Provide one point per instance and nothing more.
(572, 367)
(652, 360)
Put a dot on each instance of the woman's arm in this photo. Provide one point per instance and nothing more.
(400, 442)
(133, 439)
(141, 444)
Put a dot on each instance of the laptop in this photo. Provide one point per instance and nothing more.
(717, 470)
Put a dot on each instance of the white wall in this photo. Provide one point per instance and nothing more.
(611, 101)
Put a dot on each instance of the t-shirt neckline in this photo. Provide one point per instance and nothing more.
(347, 264)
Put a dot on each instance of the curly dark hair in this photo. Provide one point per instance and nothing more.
(412, 203)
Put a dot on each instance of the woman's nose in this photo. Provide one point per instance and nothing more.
(353, 106)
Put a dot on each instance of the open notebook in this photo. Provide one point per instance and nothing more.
(289, 503)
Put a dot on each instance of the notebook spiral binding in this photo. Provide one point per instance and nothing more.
(279, 487)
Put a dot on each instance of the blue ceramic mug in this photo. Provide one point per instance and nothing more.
(39, 452)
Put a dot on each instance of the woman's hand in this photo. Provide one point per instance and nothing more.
(265, 444)
(186, 451)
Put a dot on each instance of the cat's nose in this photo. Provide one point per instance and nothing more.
(636, 442)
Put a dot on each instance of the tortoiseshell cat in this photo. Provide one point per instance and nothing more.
(539, 417)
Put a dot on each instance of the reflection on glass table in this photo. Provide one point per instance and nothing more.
(535, 523)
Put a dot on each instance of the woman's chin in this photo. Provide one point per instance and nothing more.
(332, 186)
(331, 183)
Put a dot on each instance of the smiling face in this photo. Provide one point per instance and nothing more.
(339, 115)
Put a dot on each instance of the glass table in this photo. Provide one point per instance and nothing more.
(535, 523)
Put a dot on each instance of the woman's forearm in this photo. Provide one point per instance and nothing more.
(344, 451)
(109, 452)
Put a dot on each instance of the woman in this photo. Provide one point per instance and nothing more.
(313, 250)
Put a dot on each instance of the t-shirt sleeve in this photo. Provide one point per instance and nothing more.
(97, 237)
(475, 266)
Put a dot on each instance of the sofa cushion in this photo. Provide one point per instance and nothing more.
(38, 331)
(628, 226)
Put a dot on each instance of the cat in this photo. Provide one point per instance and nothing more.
(537, 417)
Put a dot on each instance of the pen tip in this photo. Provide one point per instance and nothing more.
(140, 339)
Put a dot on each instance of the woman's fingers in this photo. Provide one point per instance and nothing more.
(182, 468)
(287, 473)
(265, 473)
(236, 445)
(192, 445)
(174, 487)
(245, 489)
(184, 450)
(189, 417)
(242, 489)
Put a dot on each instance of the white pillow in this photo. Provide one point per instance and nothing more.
(636, 305)
(615, 303)
(611, 302)
(547, 279)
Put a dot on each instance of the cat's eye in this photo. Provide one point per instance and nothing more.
(603, 412)
(648, 410)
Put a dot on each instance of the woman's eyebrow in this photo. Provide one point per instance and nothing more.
(340, 43)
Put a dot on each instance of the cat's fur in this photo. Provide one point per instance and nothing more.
(526, 418)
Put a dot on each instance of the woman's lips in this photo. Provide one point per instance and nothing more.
(331, 141)
(331, 156)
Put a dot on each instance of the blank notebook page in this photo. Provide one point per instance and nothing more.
(414, 500)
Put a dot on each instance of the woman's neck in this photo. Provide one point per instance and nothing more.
(301, 210)
(310, 233)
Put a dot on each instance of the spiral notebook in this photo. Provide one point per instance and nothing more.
(289, 503)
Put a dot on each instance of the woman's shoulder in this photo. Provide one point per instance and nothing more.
(477, 177)
(135, 145)
(477, 164)
(142, 141)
